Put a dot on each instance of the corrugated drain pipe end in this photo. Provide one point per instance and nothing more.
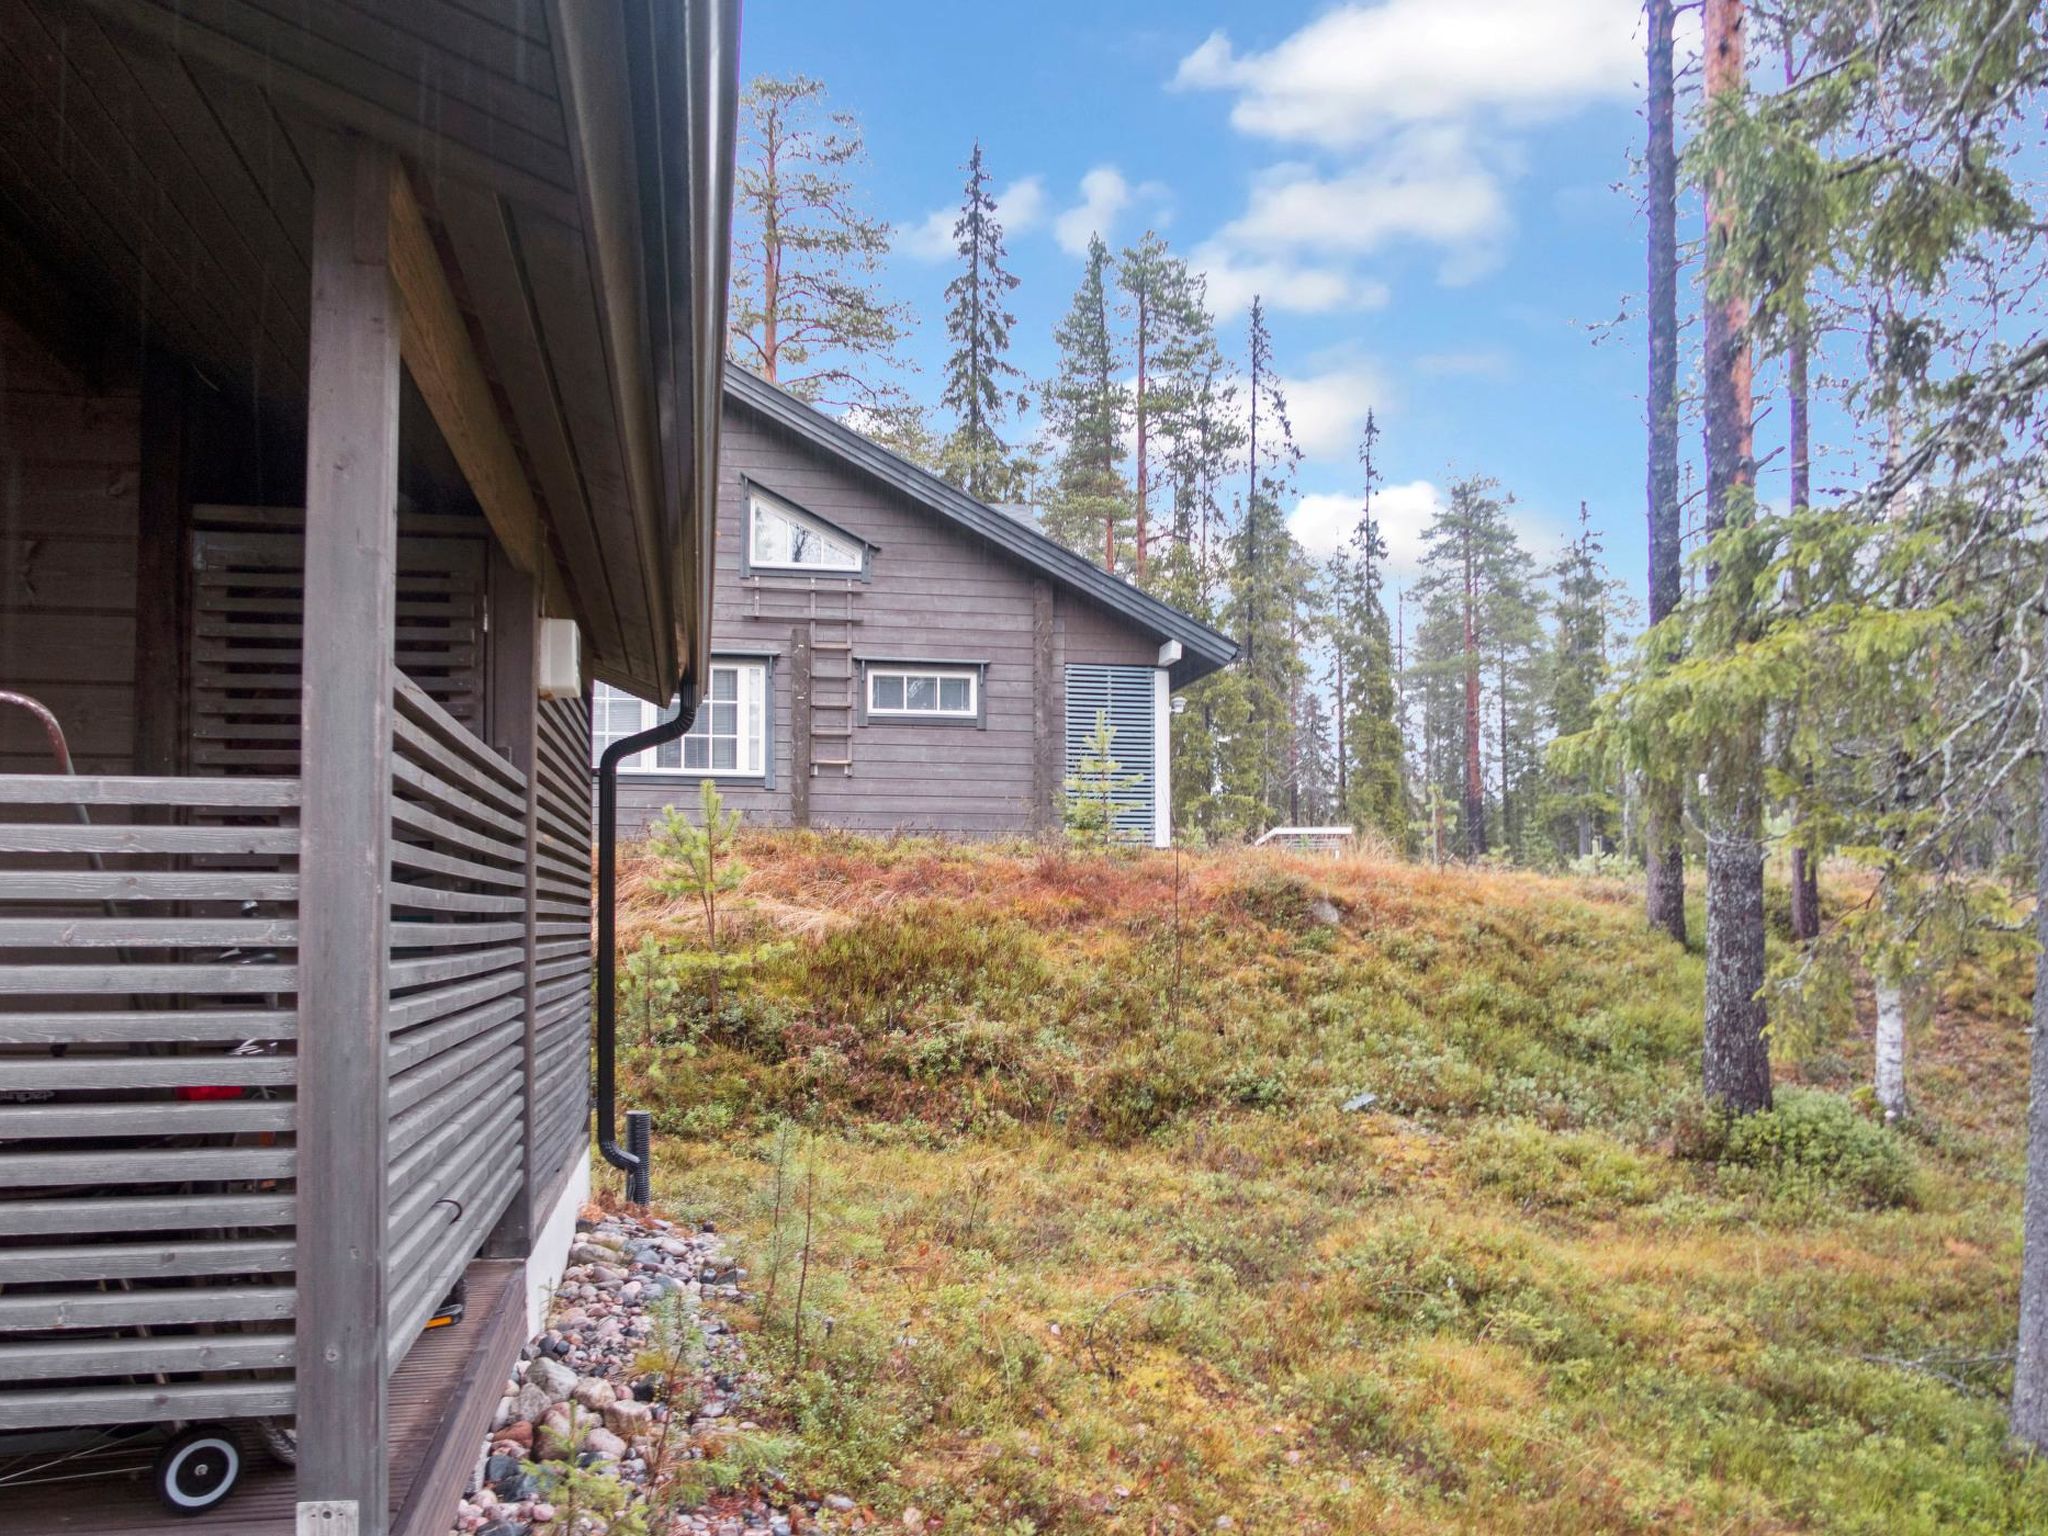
(633, 1162)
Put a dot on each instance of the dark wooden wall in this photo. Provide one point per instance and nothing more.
(70, 466)
(935, 593)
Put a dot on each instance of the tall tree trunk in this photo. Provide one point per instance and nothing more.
(2030, 1365)
(1475, 777)
(1805, 862)
(1737, 1066)
(1507, 826)
(1891, 1050)
(1251, 494)
(1664, 792)
(1140, 422)
(1343, 767)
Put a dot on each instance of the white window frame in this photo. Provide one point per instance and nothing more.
(853, 563)
(753, 705)
(906, 671)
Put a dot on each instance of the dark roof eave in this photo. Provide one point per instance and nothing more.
(1203, 650)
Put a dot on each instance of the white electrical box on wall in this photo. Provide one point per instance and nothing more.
(561, 659)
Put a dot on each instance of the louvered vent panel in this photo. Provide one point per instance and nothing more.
(1124, 695)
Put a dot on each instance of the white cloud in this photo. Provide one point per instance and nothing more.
(1413, 106)
(1356, 70)
(1019, 207)
(1327, 409)
(1427, 185)
(1104, 195)
(1324, 520)
(1284, 283)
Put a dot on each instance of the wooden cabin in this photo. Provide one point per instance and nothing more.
(359, 404)
(891, 654)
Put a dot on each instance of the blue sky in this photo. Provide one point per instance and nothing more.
(1425, 191)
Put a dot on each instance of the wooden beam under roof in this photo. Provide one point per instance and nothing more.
(435, 347)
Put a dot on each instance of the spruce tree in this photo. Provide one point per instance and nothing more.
(1369, 748)
(1086, 407)
(1579, 804)
(1269, 578)
(979, 389)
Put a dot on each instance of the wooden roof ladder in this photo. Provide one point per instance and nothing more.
(834, 677)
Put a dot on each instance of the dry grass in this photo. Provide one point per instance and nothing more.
(1099, 1253)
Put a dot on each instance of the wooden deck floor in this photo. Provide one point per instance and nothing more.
(441, 1399)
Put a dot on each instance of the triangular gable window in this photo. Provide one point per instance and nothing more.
(781, 538)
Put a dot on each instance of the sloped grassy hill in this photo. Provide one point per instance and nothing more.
(1096, 1246)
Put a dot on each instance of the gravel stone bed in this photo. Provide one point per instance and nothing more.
(581, 1392)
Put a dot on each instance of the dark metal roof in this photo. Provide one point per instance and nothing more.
(1203, 650)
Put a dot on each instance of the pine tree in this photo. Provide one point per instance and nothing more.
(1737, 1065)
(806, 311)
(1086, 407)
(1664, 796)
(979, 372)
(1170, 338)
(1472, 590)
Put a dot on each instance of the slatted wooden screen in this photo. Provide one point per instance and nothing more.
(247, 603)
(146, 1198)
(1125, 695)
(564, 964)
(456, 1044)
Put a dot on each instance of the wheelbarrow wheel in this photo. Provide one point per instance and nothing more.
(197, 1469)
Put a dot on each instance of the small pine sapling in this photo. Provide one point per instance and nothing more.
(1096, 788)
(698, 861)
(648, 987)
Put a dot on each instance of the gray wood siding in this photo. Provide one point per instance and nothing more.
(70, 463)
(934, 593)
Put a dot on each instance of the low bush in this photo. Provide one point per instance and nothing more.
(1583, 1172)
(1810, 1142)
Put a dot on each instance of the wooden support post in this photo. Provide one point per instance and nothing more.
(345, 835)
(159, 570)
(513, 659)
(1048, 715)
(800, 689)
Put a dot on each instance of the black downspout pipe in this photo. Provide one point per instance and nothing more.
(634, 1164)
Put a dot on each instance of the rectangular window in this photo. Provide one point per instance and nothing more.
(729, 738)
(781, 538)
(931, 693)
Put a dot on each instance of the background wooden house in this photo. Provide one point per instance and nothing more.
(359, 366)
(892, 654)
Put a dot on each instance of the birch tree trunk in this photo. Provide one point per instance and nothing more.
(1475, 777)
(2030, 1365)
(1891, 1050)
(1664, 797)
(1736, 1063)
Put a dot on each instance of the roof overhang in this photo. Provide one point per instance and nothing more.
(574, 160)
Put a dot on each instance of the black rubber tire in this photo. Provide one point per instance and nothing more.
(280, 1441)
(197, 1469)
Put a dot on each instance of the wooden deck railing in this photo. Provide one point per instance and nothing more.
(460, 980)
(148, 932)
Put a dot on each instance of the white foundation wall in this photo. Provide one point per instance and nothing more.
(550, 1254)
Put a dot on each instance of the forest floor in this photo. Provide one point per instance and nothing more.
(1058, 1217)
